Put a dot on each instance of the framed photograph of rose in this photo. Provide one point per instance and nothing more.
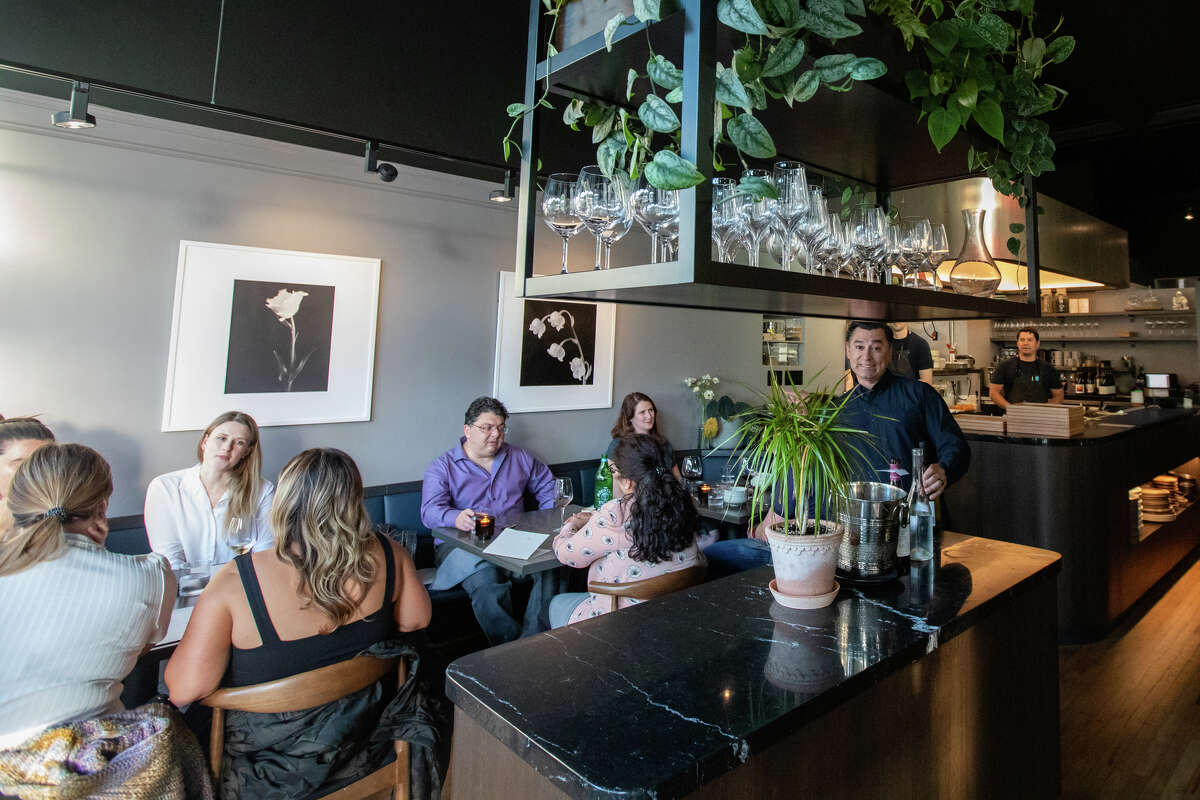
(286, 336)
(552, 355)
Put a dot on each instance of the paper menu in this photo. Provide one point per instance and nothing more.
(518, 544)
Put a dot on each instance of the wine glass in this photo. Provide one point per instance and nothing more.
(620, 225)
(791, 183)
(564, 493)
(558, 209)
(240, 535)
(601, 202)
(775, 244)
(866, 231)
(759, 216)
(652, 208)
(939, 251)
(811, 227)
(729, 211)
(914, 245)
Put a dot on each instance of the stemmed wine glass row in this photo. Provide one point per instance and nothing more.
(797, 229)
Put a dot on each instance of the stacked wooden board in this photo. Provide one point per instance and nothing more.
(980, 423)
(1044, 419)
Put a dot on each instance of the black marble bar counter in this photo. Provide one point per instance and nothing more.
(1072, 496)
(928, 686)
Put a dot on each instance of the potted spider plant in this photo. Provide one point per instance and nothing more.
(802, 458)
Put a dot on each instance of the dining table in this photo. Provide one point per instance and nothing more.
(544, 520)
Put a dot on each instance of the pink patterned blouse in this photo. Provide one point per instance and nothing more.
(604, 543)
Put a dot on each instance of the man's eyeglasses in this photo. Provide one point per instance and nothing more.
(488, 430)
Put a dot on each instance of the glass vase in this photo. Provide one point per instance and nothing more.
(974, 271)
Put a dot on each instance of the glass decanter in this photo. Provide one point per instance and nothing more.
(974, 271)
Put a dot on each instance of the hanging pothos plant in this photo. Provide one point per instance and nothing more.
(981, 65)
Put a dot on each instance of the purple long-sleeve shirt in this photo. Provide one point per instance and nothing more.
(454, 482)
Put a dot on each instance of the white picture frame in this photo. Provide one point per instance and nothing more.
(221, 332)
(511, 335)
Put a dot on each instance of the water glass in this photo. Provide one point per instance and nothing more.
(193, 577)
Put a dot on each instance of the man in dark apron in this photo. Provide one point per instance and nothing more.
(1025, 378)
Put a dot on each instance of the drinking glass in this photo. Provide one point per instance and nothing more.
(240, 535)
(866, 231)
(915, 244)
(193, 577)
(729, 217)
(564, 493)
(775, 244)
(653, 208)
(759, 216)
(558, 209)
(939, 251)
(692, 468)
(620, 226)
(894, 264)
(811, 226)
(601, 202)
(791, 183)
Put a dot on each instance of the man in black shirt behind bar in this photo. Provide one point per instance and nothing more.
(1025, 378)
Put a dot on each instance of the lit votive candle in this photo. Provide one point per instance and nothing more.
(705, 490)
(485, 526)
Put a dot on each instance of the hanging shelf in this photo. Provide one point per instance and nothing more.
(869, 134)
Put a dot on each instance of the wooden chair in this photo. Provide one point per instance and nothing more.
(313, 688)
(649, 587)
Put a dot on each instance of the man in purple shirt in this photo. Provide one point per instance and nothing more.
(483, 473)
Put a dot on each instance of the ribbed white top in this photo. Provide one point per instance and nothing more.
(70, 631)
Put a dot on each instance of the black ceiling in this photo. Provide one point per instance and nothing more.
(417, 75)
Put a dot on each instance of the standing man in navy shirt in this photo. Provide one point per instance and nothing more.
(485, 473)
(900, 412)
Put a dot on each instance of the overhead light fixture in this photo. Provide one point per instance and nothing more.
(1188, 215)
(506, 194)
(387, 172)
(77, 117)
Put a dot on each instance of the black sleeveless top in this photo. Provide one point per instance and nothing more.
(275, 659)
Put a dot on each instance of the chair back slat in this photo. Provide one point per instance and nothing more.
(297, 692)
(651, 587)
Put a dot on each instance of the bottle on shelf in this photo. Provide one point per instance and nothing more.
(1091, 380)
(604, 482)
(1080, 381)
(1105, 384)
(1061, 304)
(922, 517)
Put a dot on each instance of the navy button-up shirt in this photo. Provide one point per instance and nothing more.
(902, 413)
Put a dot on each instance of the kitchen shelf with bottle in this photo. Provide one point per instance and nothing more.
(889, 152)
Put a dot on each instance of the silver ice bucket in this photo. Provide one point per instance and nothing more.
(871, 514)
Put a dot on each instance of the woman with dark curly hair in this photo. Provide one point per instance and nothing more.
(648, 530)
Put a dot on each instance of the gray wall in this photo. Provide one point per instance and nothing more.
(90, 224)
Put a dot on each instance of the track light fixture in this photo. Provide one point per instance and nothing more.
(1188, 215)
(77, 117)
(387, 172)
(506, 194)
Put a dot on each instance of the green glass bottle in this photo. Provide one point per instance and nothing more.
(604, 483)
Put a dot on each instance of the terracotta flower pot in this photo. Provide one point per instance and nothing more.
(805, 564)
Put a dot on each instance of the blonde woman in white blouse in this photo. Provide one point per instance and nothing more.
(190, 513)
(73, 616)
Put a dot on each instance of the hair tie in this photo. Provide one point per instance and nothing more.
(57, 511)
(660, 470)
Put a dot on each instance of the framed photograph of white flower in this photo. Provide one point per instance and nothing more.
(552, 355)
(286, 336)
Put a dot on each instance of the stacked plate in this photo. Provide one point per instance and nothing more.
(1157, 504)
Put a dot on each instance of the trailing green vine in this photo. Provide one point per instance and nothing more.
(980, 65)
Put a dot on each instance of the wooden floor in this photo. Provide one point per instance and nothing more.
(1131, 703)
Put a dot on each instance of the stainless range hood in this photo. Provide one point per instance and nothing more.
(1077, 250)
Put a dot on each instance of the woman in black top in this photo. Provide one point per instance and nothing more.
(330, 589)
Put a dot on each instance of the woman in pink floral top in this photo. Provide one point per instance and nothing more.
(648, 531)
